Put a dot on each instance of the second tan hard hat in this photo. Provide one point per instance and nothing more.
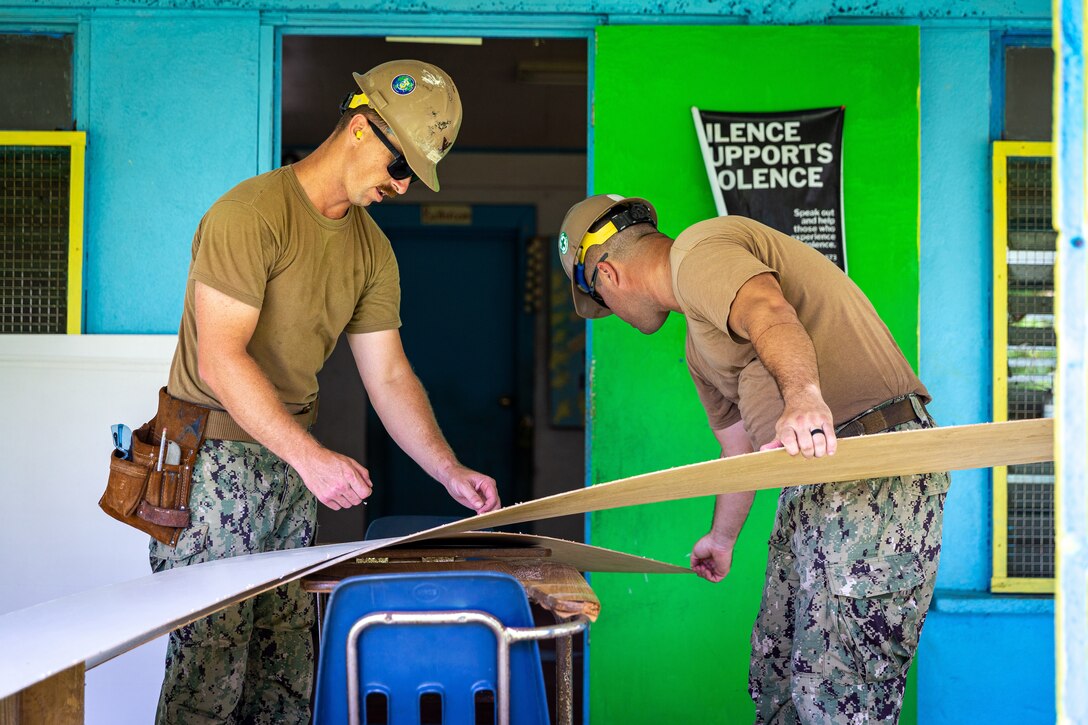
(420, 103)
(573, 242)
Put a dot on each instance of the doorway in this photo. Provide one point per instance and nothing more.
(521, 153)
(469, 341)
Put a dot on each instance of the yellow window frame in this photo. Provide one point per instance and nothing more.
(1001, 582)
(76, 141)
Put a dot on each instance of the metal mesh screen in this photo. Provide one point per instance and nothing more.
(34, 197)
(1032, 357)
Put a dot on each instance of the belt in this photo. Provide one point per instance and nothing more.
(885, 416)
(221, 426)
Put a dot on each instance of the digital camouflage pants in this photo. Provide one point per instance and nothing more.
(849, 581)
(251, 662)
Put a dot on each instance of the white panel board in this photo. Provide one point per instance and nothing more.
(61, 393)
(97, 625)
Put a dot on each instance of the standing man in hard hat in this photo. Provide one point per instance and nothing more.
(786, 351)
(282, 264)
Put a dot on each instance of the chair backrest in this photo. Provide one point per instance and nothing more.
(404, 663)
(388, 527)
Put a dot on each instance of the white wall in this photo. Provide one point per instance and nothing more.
(61, 394)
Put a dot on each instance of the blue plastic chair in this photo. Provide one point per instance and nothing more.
(404, 662)
(388, 527)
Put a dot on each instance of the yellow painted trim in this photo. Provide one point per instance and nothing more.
(76, 141)
(1000, 357)
(75, 237)
(1003, 150)
(1022, 585)
(43, 138)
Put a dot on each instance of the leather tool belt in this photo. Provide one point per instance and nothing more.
(150, 491)
(147, 491)
(885, 416)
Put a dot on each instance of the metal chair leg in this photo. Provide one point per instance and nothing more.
(564, 681)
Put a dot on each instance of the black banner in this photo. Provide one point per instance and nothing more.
(782, 169)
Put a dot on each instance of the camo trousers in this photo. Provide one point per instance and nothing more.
(849, 581)
(251, 662)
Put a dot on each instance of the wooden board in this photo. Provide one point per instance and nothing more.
(56, 700)
(558, 588)
(887, 454)
(92, 627)
(580, 556)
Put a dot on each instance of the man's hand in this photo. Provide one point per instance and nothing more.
(711, 557)
(806, 426)
(337, 481)
(472, 489)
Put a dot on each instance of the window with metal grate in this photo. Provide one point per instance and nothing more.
(41, 187)
(1025, 355)
(34, 238)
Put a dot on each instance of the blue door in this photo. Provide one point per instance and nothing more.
(467, 335)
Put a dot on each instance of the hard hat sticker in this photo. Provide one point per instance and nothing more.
(404, 84)
(563, 245)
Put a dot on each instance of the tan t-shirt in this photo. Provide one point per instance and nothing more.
(860, 364)
(265, 244)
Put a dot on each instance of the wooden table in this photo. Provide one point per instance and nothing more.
(554, 586)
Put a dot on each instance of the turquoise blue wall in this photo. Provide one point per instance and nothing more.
(983, 658)
(172, 114)
(986, 660)
(175, 97)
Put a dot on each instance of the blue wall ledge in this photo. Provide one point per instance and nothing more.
(953, 602)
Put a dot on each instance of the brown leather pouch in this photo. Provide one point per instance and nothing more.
(152, 497)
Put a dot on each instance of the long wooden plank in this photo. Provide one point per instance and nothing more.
(582, 557)
(94, 626)
(983, 445)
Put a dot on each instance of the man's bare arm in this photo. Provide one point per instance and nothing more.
(224, 329)
(762, 315)
(712, 555)
(402, 404)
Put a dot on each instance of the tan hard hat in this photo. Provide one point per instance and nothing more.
(421, 106)
(572, 238)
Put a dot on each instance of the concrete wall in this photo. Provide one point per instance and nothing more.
(983, 658)
(178, 101)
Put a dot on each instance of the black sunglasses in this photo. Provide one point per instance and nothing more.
(398, 168)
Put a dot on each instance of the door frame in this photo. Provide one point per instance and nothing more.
(276, 25)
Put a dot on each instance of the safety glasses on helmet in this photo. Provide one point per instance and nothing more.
(617, 219)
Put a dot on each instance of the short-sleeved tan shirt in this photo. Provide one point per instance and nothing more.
(859, 362)
(265, 244)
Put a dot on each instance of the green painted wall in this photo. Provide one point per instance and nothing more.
(675, 648)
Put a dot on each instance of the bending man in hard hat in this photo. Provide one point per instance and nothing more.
(785, 350)
(283, 264)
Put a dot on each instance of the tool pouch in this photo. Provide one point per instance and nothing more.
(150, 497)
